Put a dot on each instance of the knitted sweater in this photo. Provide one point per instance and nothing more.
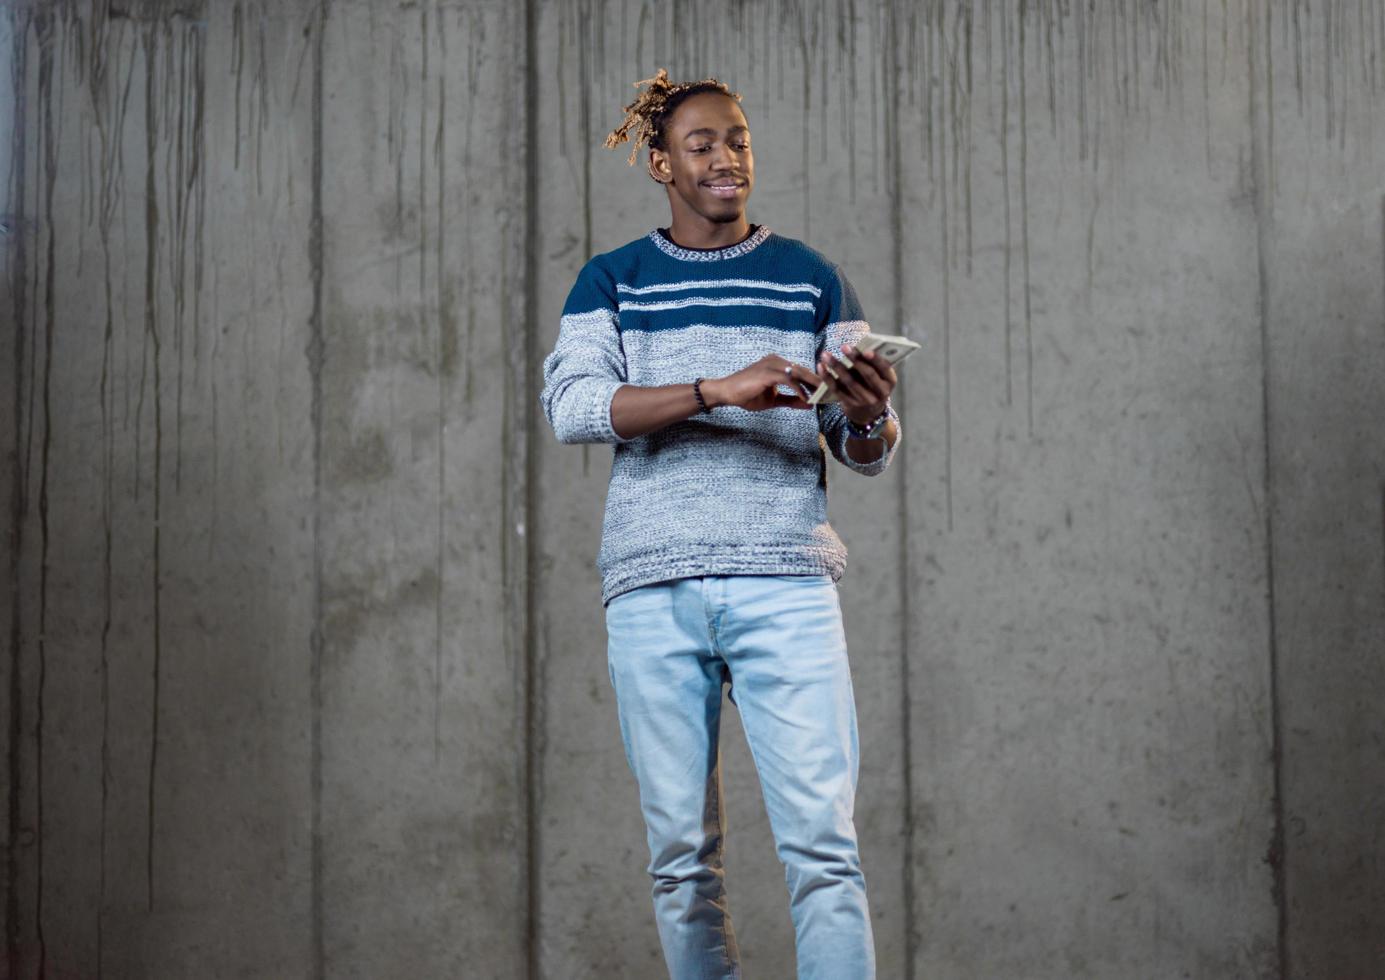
(725, 493)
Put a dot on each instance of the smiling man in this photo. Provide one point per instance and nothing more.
(689, 350)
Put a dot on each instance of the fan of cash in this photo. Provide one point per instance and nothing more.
(892, 349)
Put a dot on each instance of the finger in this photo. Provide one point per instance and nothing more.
(845, 383)
(782, 400)
(801, 388)
(859, 356)
(856, 394)
(835, 387)
(802, 375)
(869, 370)
(870, 378)
(830, 367)
(804, 382)
(883, 368)
(797, 377)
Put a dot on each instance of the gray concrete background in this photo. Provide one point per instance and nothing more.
(306, 657)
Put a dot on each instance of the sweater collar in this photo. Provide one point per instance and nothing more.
(664, 244)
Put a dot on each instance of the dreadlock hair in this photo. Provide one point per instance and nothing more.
(654, 107)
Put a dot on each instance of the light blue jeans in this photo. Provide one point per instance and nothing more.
(778, 641)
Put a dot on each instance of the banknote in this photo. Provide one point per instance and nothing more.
(892, 349)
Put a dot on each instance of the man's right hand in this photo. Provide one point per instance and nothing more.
(753, 387)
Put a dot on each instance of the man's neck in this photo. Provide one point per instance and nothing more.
(694, 231)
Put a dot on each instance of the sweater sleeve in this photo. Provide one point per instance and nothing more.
(587, 365)
(841, 322)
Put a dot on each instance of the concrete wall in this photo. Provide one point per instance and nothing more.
(305, 652)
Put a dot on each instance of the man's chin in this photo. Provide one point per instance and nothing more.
(726, 217)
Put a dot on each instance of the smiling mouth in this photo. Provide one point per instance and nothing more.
(725, 189)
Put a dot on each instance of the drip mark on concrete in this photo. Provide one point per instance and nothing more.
(894, 145)
(1024, 219)
(945, 249)
(524, 658)
(110, 131)
(17, 271)
(444, 319)
(1005, 189)
(315, 356)
(1258, 109)
(48, 147)
(153, 348)
(1269, 102)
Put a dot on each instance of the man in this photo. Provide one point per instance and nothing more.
(718, 563)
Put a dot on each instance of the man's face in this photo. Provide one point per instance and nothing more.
(707, 164)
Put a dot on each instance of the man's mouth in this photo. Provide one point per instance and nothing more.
(724, 187)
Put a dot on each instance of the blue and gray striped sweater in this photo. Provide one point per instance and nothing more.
(733, 491)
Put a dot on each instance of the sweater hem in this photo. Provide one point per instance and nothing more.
(626, 575)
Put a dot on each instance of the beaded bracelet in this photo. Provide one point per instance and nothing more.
(871, 429)
(697, 393)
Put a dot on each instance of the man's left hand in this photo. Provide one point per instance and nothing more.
(864, 388)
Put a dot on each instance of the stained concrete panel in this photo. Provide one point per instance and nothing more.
(592, 892)
(13, 296)
(1318, 91)
(164, 514)
(423, 832)
(1090, 705)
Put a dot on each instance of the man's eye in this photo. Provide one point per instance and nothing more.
(700, 149)
(740, 146)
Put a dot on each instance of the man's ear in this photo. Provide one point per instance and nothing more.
(658, 167)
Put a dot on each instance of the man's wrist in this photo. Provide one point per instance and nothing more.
(711, 392)
(866, 415)
(870, 425)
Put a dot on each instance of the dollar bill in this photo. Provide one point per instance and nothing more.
(892, 349)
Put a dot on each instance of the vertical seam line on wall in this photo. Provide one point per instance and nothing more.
(18, 282)
(530, 273)
(1259, 174)
(316, 356)
(892, 108)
